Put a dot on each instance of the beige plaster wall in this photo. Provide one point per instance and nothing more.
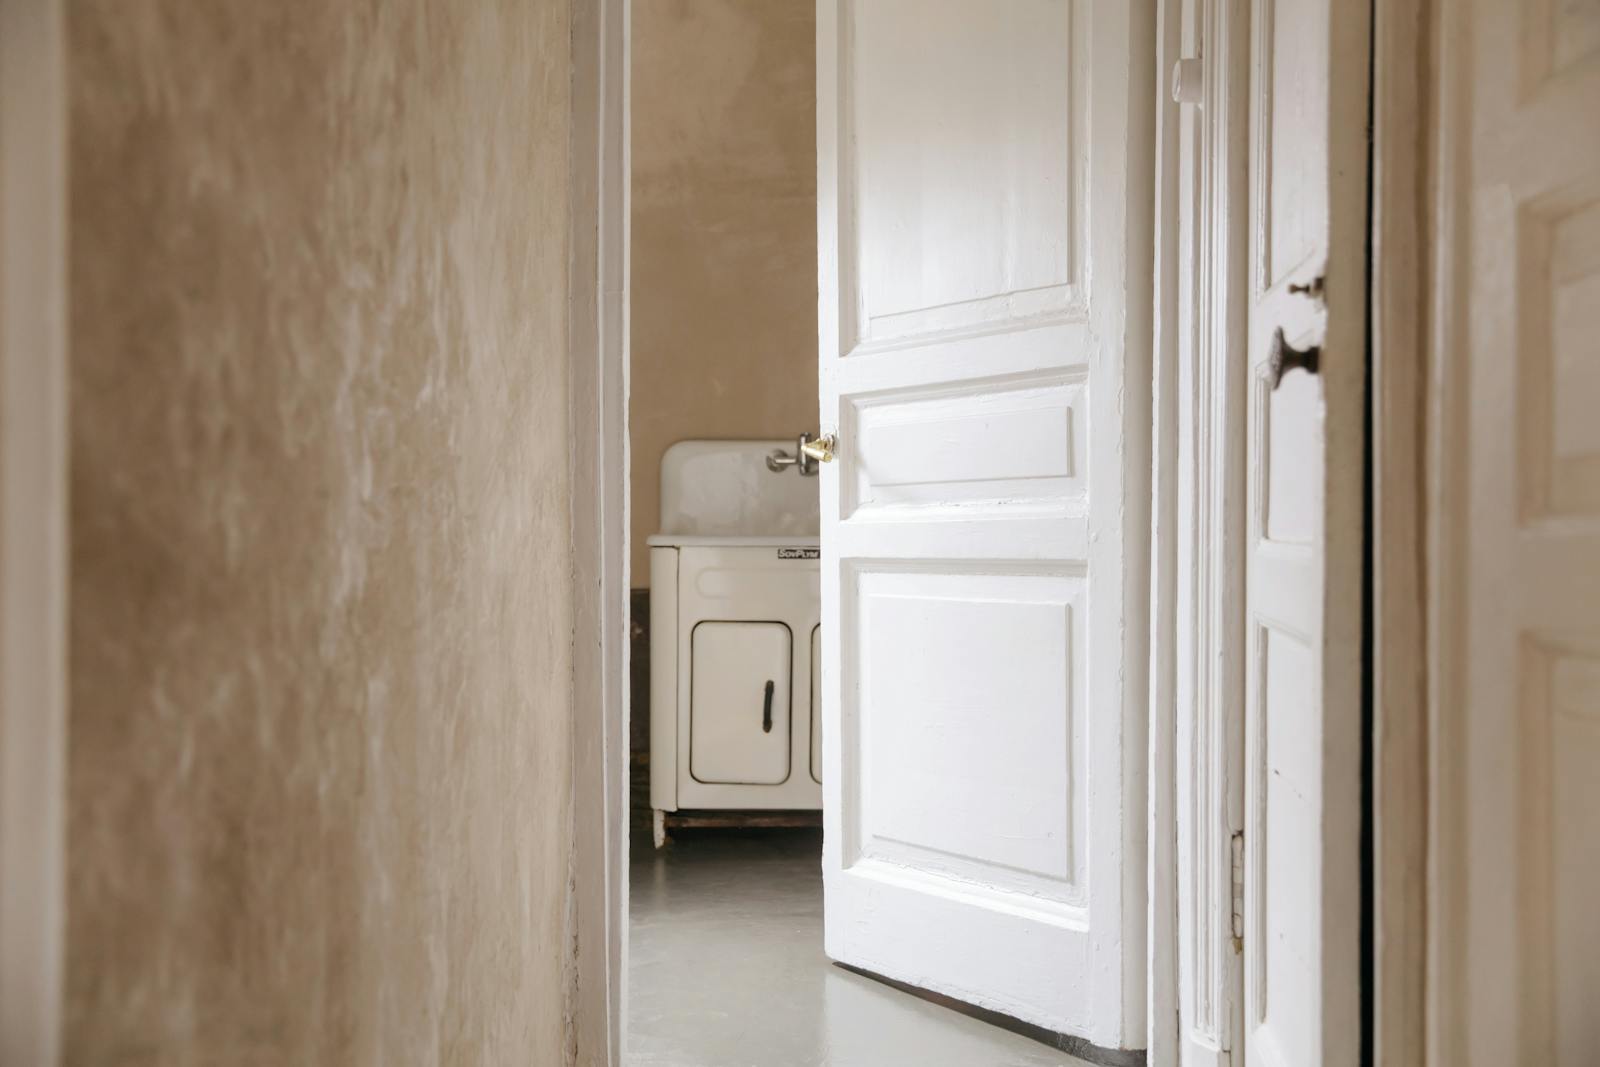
(319, 764)
(724, 287)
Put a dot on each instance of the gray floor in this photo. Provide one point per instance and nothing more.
(727, 970)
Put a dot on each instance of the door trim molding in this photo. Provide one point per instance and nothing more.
(1408, 36)
(1405, 429)
(1211, 528)
(597, 904)
(1443, 116)
(1401, 423)
(1162, 980)
(34, 544)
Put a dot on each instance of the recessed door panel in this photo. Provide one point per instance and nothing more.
(1283, 831)
(1292, 82)
(964, 703)
(918, 452)
(985, 107)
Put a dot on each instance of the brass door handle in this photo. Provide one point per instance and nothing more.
(808, 452)
(819, 448)
(1282, 358)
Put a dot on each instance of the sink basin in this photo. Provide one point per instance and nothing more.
(712, 491)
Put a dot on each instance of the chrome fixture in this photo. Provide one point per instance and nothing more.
(808, 452)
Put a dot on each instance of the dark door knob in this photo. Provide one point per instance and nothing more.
(1284, 358)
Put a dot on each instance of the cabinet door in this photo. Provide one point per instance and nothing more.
(739, 702)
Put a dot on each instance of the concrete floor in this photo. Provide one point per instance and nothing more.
(727, 970)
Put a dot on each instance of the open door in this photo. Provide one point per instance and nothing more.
(985, 240)
(1301, 889)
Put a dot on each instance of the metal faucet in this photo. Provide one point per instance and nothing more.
(807, 451)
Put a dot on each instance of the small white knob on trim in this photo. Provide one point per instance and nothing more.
(1188, 82)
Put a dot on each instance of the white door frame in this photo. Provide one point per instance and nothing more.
(33, 526)
(598, 386)
(1162, 978)
(1209, 536)
(598, 391)
(1403, 41)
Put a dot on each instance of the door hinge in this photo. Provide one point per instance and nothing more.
(1236, 848)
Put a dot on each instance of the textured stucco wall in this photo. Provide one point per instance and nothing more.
(724, 287)
(319, 767)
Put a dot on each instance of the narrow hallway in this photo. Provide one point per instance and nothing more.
(727, 970)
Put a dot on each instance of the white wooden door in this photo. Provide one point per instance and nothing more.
(1300, 895)
(1518, 592)
(984, 198)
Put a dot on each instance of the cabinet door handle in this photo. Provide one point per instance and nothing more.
(766, 709)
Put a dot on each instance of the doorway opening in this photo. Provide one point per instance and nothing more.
(983, 212)
(726, 960)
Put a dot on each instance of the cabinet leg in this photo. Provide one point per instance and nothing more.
(658, 827)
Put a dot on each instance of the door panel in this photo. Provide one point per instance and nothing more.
(989, 237)
(1292, 427)
(915, 451)
(1292, 97)
(1308, 217)
(1520, 586)
(1281, 896)
(940, 784)
(984, 598)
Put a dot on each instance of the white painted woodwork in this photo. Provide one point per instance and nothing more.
(34, 534)
(1213, 376)
(1307, 219)
(597, 389)
(1170, 273)
(930, 255)
(738, 735)
(984, 241)
(1518, 586)
(1401, 201)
